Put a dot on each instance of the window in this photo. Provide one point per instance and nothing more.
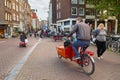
(74, 11)
(67, 23)
(17, 18)
(59, 14)
(73, 22)
(74, 1)
(17, 8)
(14, 6)
(81, 11)
(5, 16)
(5, 2)
(14, 17)
(10, 17)
(10, 5)
(57, 7)
(81, 1)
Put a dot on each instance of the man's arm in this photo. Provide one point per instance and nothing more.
(74, 29)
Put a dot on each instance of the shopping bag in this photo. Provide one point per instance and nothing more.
(26, 40)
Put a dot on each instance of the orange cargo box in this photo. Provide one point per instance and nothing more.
(61, 51)
(65, 52)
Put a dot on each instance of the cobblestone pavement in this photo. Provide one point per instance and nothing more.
(43, 64)
(10, 54)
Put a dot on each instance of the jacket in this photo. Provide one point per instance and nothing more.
(82, 31)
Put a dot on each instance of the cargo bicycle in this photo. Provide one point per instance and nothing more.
(86, 61)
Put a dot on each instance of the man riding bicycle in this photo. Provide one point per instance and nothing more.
(82, 31)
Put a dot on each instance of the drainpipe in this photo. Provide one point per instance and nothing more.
(96, 20)
(116, 26)
(106, 24)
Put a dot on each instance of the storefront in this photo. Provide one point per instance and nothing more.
(111, 24)
(3, 29)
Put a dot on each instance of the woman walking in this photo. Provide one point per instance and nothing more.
(100, 35)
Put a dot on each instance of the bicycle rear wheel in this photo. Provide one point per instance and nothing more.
(88, 64)
(115, 46)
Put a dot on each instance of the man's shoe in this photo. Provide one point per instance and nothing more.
(98, 58)
(101, 57)
(76, 57)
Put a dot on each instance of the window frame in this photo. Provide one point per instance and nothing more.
(83, 11)
(72, 2)
(72, 10)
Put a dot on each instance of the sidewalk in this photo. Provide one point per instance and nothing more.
(43, 64)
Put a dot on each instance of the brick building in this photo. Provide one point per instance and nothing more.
(5, 17)
(35, 20)
(65, 12)
(15, 16)
(25, 16)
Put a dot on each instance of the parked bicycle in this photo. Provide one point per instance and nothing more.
(115, 46)
(113, 43)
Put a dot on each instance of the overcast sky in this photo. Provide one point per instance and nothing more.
(41, 6)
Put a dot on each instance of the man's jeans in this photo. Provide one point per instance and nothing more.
(77, 44)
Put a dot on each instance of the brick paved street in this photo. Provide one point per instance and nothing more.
(10, 54)
(43, 64)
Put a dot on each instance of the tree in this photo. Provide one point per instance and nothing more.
(106, 7)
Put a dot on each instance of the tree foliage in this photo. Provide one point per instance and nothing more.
(106, 7)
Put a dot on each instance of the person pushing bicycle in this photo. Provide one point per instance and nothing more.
(82, 31)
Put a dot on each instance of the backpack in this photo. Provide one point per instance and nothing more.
(67, 43)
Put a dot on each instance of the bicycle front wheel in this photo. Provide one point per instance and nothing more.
(88, 64)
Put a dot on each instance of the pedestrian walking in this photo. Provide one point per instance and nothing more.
(100, 35)
(30, 33)
(35, 33)
(41, 33)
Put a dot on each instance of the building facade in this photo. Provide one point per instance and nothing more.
(5, 17)
(35, 20)
(25, 16)
(52, 12)
(67, 11)
(15, 16)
